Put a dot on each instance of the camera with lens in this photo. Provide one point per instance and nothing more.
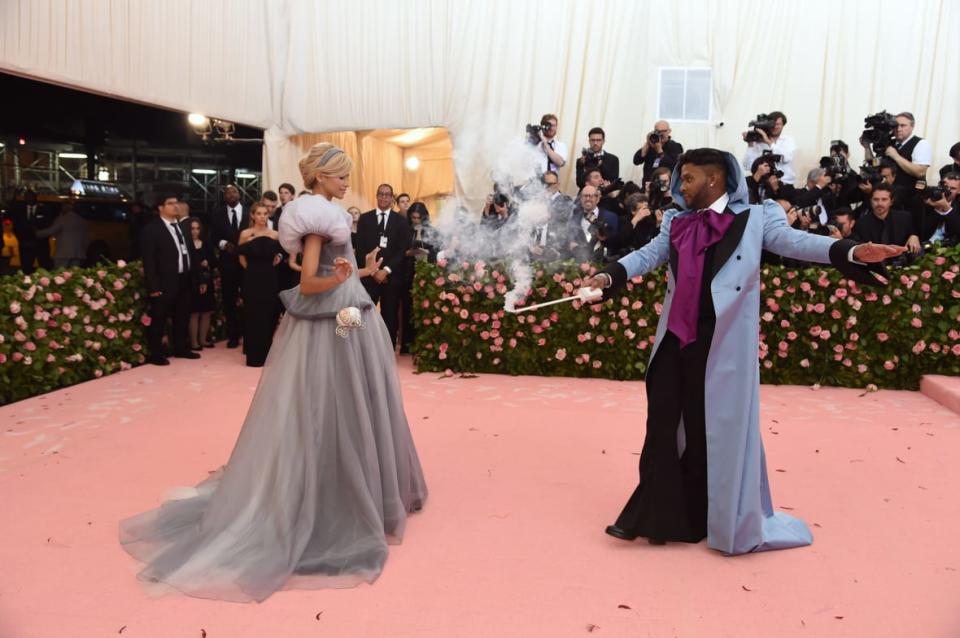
(764, 123)
(933, 193)
(770, 159)
(879, 130)
(870, 173)
(836, 167)
(533, 133)
(659, 194)
(654, 138)
(602, 227)
(590, 159)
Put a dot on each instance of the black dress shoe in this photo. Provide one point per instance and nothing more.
(187, 355)
(619, 532)
(656, 541)
(196, 348)
(233, 343)
(210, 344)
(158, 361)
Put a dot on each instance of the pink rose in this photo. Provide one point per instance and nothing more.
(15, 308)
(561, 354)
(815, 331)
(948, 275)
(916, 322)
(805, 363)
(882, 336)
(956, 349)
(597, 364)
(919, 347)
(825, 334)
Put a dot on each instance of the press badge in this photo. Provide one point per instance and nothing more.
(383, 241)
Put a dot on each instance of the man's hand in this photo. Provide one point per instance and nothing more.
(941, 205)
(598, 281)
(871, 253)
(537, 250)
(913, 244)
(230, 248)
(762, 171)
(380, 276)
(865, 187)
(763, 136)
(891, 152)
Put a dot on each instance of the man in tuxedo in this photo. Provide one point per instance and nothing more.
(884, 224)
(598, 225)
(166, 270)
(226, 224)
(702, 468)
(659, 149)
(28, 217)
(595, 157)
(389, 231)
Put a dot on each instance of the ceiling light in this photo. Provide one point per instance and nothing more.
(204, 171)
(196, 119)
(246, 175)
(72, 155)
(413, 163)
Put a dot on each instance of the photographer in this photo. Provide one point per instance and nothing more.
(883, 224)
(636, 230)
(844, 221)
(658, 190)
(553, 152)
(911, 154)
(658, 151)
(598, 226)
(940, 219)
(842, 190)
(954, 166)
(766, 182)
(767, 135)
(593, 177)
(595, 157)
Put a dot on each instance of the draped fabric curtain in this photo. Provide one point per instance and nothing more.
(485, 69)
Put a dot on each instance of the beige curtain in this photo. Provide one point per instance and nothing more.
(484, 69)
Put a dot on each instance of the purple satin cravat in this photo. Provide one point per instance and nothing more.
(691, 235)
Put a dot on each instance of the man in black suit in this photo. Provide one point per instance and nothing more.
(595, 157)
(28, 217)
(390, 232)
(661, 151)
(166, 270)
(884, 224)
(226, 224)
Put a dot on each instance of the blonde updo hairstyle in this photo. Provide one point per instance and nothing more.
(324, 159)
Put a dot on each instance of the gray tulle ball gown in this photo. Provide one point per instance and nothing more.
(324, 471)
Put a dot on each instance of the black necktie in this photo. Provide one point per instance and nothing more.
(383, 223)
(550, 165)
(184, 264)
(233, 219)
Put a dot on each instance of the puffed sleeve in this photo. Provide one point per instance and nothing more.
(312, 215)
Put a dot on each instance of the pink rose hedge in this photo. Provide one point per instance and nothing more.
(63, 327)
(815, 326)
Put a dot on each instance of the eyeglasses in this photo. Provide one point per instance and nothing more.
(549, 125)
(589, 195)
(661, 130)
(596, 139)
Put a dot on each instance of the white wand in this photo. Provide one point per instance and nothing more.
(586, 295)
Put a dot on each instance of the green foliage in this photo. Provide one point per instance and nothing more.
(815, 326)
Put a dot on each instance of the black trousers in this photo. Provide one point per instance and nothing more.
(670, 503)
(231, 285)
(388, 296)
(175, 307)
(408, 331)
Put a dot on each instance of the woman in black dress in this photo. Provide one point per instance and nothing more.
(202, 302)
(259, 250)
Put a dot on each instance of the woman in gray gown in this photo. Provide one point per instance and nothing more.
(324, 470)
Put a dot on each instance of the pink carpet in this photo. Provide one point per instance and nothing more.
(524, 474)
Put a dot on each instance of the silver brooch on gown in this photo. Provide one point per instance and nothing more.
(348, 319)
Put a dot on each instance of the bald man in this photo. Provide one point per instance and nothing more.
(658, 150)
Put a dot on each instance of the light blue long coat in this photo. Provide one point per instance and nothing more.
(740, 514)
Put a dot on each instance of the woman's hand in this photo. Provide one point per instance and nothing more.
(371, 263)
(342, 269)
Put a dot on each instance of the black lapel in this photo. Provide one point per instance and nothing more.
(730, 241)
(674, 259)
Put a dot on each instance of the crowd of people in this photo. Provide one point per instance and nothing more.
(239, 249)
(886, 201)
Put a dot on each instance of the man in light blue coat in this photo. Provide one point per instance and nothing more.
(702, 469)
